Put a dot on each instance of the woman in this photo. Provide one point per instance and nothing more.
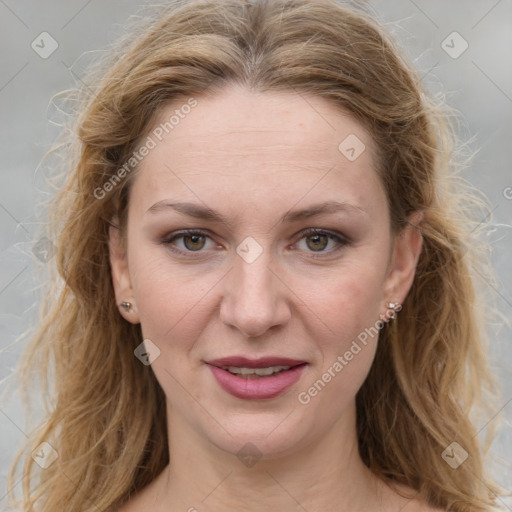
(264, 301)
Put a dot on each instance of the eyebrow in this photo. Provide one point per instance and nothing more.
(204, 213)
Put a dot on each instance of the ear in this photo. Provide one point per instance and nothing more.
(120, 274)
(404, 258)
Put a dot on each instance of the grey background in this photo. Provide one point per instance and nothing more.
(478, 84)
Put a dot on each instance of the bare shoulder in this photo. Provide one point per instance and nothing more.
(424, 507)
(131, 506)
(140, 502)
(135, 504)
(409, 501)
(418, 505)
(146, 498)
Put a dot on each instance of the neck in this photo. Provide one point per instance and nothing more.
(327, 474)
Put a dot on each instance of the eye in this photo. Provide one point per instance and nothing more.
(193, 241)
(318, 239)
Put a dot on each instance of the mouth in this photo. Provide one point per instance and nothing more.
(256, 373)
(257, 378)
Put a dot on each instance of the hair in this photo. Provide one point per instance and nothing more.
(105, 412)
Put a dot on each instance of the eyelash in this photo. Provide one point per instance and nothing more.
(338, 238)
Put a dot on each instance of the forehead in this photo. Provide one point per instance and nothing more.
(258, 147)
(268, 121)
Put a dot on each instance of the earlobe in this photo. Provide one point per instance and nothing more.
(121, 276)
(406, 252)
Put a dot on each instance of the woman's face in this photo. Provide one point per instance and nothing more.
(256, 285)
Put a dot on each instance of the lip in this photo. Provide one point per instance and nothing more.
(262, 362)
(259, 388)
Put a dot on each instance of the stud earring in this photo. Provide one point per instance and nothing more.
(126, 306)
(394, 307)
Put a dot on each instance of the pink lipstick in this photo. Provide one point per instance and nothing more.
(256, 379)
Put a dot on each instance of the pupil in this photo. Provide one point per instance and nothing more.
(194, 241)
(316, 238)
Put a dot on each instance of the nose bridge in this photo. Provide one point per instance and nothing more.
(252, 300)
(253, 279)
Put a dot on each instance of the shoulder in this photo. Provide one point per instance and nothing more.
(409, 501)
(145, 498)
(423, 507)
(417, 505)
(129, 506)
(137, 503)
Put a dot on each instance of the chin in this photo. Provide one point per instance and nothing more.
(268, 435)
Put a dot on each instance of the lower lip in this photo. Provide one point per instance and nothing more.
(258, 388)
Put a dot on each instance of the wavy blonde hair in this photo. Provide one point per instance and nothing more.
(105, 412)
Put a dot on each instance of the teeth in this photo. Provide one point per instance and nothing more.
(255, 371)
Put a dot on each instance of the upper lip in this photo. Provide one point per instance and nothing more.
(262, 362)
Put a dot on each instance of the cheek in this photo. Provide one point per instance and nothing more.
(169, 297)
(348, 300)
(161, 297)
(361, 292)
(350, 306)
(351, 310)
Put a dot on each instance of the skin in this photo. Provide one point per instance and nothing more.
(253, 157)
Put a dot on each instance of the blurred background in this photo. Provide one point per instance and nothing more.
(461, 47)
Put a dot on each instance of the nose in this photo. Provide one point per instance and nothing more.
(255, 298)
